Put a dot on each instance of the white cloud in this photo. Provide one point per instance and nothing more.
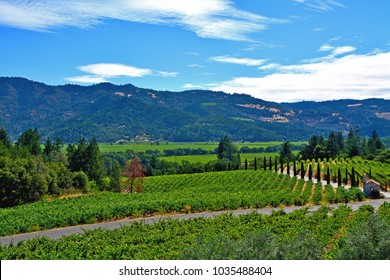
(334, 52)
(343, 50)
(101, 72)
(191, 86)
(165, 74)
(326, 48)
(207, 18)
(241, 61)
(87, 79)
(352, 76)
(195, 65)
(112, 70)
(321, 5)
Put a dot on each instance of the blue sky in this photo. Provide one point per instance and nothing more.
(277, 50)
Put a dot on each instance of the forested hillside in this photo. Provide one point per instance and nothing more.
(112, 113)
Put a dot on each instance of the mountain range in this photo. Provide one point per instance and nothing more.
(113, 113)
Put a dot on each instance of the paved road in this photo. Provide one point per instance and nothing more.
(58, 233)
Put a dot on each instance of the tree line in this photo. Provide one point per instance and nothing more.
(335, 145)
(29, 170)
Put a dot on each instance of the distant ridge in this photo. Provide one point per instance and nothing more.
(122, 112)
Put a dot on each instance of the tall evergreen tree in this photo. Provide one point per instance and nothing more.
(86, 157)
(374, 144)
(115, 176)
(295, 168)
(30, 139)
(352, 144)
(318, 172)
(285, 152)
(4, 140)
(281, 166)
(353, 178)
(77, 159)
(226, 150)
(310, 172)
(332, 145)
(276, 164)
(328, 176)
(48, 147)
(339, 177)
(255, 164)
(94, 164)
(340, 140)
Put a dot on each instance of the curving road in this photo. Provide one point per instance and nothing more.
(60, 232)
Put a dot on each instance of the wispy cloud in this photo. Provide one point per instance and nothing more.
(351, 76)
(195, 65)
(321, 5)
(102, 72)
(235, 60)
(217, 19)
(334, 52)
(191, 86)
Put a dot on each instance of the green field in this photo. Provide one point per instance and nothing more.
(206, 158)
(208, 146)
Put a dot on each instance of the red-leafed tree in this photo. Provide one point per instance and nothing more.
(134, 172)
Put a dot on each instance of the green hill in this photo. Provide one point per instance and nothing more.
(123, 112)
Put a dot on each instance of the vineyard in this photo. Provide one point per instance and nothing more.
(324, 234)
(350, 169)
(174, 194)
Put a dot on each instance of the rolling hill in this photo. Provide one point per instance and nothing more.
(123, 112)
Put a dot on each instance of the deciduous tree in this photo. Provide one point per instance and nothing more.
(134, 172)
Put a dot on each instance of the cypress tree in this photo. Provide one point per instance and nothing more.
(270, 163)
(310, 172)
(353, 182)
(265, 163)
(276, 164)
(295, 168)
(328, 176)
(246, 164)
(318, 172)
(255, 164)
(288, 167)
(346, 175)
(302, 170)
(339, 177)
(369, 175)
(281, 165)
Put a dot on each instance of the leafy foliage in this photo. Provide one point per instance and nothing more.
(324, 234)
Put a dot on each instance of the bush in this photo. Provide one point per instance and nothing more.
(80, 181)
(367, 240)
